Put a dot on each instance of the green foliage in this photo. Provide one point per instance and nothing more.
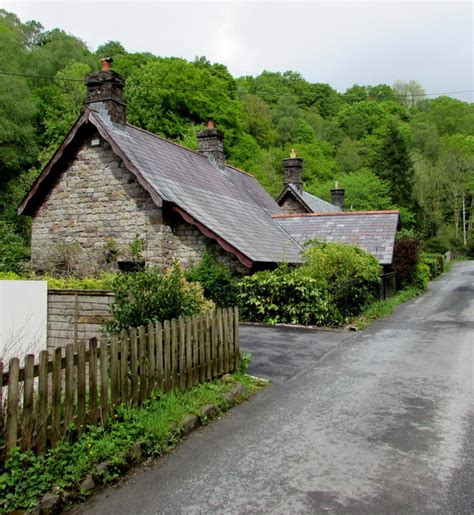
(102, 282)
(26, 477)
(286, 297)
(434, 262)
(335, 282)
(422, 276)
(365, 191)
(218, 283)
(153, 296)
(406, 256)
(350, 274)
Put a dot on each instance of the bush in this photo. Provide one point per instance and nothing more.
(288, 297)
(336, 282)
(406, 256)
(422, 276)
(435, 262)
(218, 283)
(349, 273)
(152, 296)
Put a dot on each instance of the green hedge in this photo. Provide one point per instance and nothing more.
(103, 282)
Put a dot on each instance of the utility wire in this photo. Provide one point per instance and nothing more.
(70, 79)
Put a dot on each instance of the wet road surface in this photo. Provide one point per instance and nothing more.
(380, 423)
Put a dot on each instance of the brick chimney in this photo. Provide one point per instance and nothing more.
(211, 144)
(337, 196)
(105, 88)
(293, 167)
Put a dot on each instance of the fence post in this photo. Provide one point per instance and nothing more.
(93, 380)
(81, 386)
(134, 365)
(182, 353)
(236, 337)
(104, 380)
(189, 352)
(202, 348)
(208, 321)
(159, 355)
(69, 393)
(56, 398)
(124, 366)
(196, 350)
(12, 405)
(42, 416)
(151, 358)
(142, 361)
(28, 396)
(167, 354)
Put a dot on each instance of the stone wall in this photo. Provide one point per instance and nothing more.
(291, 206)
(76, 315)
(97, 199)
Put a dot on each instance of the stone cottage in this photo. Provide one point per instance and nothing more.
(110, 181)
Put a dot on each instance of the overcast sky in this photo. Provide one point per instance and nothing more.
(334, 42)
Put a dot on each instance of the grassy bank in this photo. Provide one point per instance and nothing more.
(384, 308)
(103, 454)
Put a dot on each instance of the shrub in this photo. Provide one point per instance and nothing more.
(422, 276)
(406, 255)
(218, 283)
(283, 296)
(336, 282)
(349, 273)
(435, 263)
(152, 296)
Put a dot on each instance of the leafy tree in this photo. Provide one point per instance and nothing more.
(409, 93)
(364, 191)
(257, 120)
(394, 164)
(110, 49)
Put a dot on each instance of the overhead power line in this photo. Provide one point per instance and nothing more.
(214, 90)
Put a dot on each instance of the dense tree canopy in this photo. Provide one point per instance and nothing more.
(388, 146)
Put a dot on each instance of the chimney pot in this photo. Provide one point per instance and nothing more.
(105, 63)
(337, 197)
(210, 124)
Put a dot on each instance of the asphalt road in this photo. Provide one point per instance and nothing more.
(382, 423)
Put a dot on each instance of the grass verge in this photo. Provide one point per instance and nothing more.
(103, 454)
(384, 308)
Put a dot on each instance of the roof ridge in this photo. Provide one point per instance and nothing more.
(338, 213)
(184, 148)
(166, 140)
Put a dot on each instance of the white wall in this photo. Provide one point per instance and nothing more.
(23, 318)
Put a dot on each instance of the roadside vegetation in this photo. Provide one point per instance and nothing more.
(104, 453)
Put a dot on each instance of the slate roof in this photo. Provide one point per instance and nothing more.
(226, 204)
(310, 202)
(373, 231)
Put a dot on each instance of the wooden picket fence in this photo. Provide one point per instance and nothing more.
(83, 383)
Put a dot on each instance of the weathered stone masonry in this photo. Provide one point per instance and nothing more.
(96, 198)
(291, 206)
